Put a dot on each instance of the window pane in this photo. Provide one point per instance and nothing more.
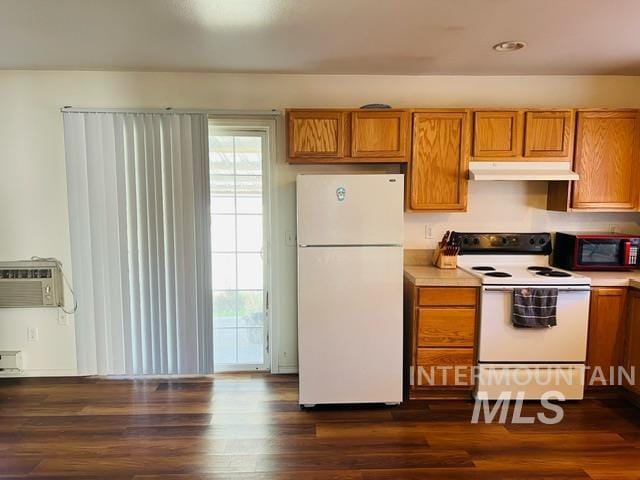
(222, 185)
(249, 194)
(224, 345)
(223, 233)
(223, 204)
(250, 345)
(224, 309)
(221, 154)
(250, 309)
(249, 271)
(248, 155)
(224, 271)
(249, 233)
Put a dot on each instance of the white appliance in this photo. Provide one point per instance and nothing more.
(31, 283)
(350, 235)
(529, 361)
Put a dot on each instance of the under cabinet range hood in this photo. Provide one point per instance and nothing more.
(521, 171)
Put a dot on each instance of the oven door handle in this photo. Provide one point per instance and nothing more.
(577, 288)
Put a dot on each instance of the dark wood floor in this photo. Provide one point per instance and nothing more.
(249, 427)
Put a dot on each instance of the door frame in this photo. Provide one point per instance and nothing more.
(265, 128)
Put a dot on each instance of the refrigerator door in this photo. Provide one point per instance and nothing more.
(350, 324)
(350, 209)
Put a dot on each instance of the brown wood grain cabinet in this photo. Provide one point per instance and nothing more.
(606, 329)
(347, 136)
(523, 135)
(632, 347)
(606, 159)
(497, 134)
(438, 169)
(548, 134)
(440, 333)
(379, 134)
(316, 134)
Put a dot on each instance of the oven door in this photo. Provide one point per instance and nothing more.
(500, 341)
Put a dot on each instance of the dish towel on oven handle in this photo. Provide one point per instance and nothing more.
(534, 307)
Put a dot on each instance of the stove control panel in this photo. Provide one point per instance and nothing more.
(525, 243)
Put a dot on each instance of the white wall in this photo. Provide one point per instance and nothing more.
(33, 210)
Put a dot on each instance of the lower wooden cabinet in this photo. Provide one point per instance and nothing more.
(440, 337)
(632, 350)
(606, 332)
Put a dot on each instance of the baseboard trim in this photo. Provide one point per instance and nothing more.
(42, 373)
(287, 370)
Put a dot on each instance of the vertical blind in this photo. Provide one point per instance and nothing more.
(138, 210)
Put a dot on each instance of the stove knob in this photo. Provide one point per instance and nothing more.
(542, 241)
(532, 241)
(504, 240)
(476, 241)
(466, 240)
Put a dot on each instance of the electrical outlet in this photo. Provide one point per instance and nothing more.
(63, 318)
(428, 231)
(290, 238)
(32, 334)
(613, 228)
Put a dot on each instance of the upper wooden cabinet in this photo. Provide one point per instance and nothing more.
(529, 135)
(347, 136)
(316, 134)
(607, 161)
(378, 134)
(497, 134)
(548, 134)
(437, 176)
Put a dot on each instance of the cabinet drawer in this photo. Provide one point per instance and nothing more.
(447, 296)
(446, 327)
(430, 363)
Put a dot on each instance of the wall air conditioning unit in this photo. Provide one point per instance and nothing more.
(31, 283)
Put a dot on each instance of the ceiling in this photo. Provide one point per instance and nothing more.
(410, 37)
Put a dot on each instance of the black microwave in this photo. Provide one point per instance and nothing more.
(596, 251)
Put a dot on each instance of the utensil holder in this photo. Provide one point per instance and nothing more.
(441, 260)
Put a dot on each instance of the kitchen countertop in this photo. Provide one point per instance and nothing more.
(430, 276)
(614, 279)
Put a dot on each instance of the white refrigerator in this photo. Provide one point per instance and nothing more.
(350, 270)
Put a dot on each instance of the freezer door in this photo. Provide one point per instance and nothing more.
(350, 209)
(350, 324)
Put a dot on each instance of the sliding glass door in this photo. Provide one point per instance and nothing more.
(238, 163)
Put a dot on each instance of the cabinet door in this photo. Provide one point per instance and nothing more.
(497, 134)
(378, 134)
(548, 135)
(606, 330)
(632, 354)
(606, 160)
(439, 162)
(316, 133)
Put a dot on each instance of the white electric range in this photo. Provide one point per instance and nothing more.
(527, 362)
